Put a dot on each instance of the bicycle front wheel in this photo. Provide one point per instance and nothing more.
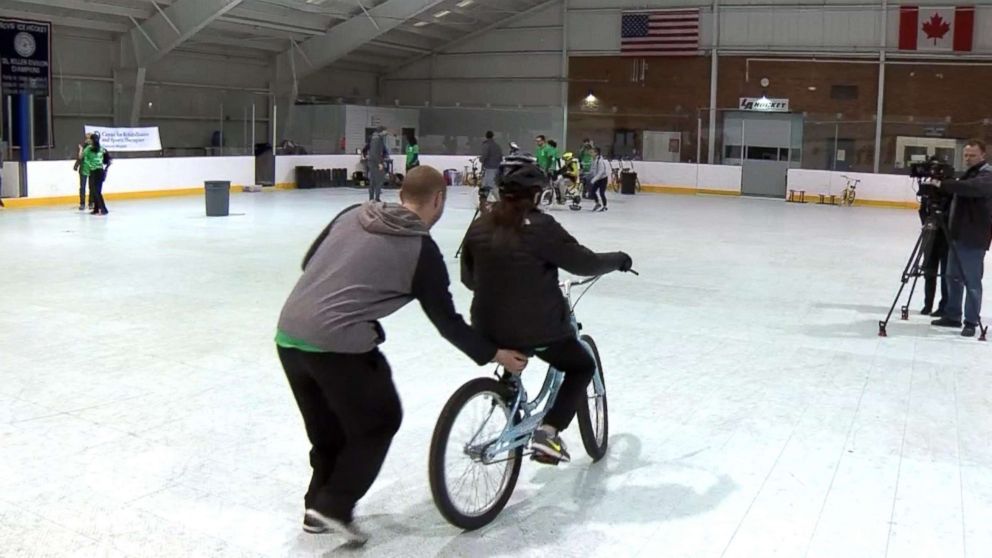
(547, 197)
(594, 423)
(468, 492)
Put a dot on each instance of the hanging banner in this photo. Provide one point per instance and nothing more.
(25, 57)
(128, 139)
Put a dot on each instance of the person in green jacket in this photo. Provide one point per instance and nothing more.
(544, 154)
(94, 165)
(586, 158)
(412, 152)
(586, 155)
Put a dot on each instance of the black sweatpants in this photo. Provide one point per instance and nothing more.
(96, 190)
(572, 358)
(351, 411)
(599, 191)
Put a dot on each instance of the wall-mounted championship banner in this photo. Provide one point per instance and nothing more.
(128, 139)
(25, 57)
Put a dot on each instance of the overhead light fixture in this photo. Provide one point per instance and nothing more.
(464, 3)
(421, 23)
(442, 13)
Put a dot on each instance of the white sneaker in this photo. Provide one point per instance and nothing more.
(349, 531)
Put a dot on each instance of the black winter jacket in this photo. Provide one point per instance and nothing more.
(518, 303)
(971, 210)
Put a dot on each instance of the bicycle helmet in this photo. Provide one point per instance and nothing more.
(521, 176)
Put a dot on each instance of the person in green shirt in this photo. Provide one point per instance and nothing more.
(586, 157)
(412, 152)
(555, 156)
(544, 154)
(94, 164)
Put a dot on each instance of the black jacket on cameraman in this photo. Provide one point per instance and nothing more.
(518, 303)
(971, 210)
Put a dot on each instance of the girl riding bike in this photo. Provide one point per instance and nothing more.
(510, 261)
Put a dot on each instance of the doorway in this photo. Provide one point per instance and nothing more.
(766, 146)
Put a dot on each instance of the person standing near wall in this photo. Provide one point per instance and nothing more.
(377, 163)
(78, 167)
(412, 152)
(95, 162)
(490, 159)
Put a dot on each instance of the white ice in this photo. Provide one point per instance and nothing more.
(754, 411)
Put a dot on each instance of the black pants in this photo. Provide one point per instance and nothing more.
(572, 358)
(599, 191)
(351, 411)
(96, 190)
(82, 190)
(934, 266)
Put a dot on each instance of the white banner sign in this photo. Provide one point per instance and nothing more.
(128, 139)
(764, 104)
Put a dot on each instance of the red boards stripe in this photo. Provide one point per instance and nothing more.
(964, 28)
(909, 21)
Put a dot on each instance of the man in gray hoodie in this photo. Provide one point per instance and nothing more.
(369, 262)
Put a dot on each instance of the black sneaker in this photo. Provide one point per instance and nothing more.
(927, 310)
(351, 533)
(946, 322)
(549, 446)
(968, 330)
(597, 208)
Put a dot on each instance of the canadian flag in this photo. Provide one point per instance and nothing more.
(946, 29)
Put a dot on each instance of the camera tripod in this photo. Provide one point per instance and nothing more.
(486, 200)
(933, 224)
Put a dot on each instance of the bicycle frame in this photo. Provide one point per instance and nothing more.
(534, 410)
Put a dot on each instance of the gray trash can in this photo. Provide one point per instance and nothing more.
(218, 196)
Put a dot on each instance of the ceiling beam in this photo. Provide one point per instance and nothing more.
(150, 41)
(260, 43)
(283, 17)
(347, 36)
(77, 22)
(96, 7)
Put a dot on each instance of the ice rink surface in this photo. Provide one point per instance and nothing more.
(754, 412)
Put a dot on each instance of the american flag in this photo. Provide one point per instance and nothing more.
(660, 33)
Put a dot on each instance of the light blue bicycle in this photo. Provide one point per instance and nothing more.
(484, 428)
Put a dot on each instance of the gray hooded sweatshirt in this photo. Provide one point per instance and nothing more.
(369, 262)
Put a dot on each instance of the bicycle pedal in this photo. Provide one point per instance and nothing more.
(544, 459)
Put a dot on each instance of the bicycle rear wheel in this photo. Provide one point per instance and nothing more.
(467, 492)
(594, 423)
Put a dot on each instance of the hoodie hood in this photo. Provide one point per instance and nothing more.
(391, 219)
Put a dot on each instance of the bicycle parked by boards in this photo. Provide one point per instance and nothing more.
(850, 192)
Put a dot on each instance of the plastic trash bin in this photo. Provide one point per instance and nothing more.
(218, 196)
(628, 183)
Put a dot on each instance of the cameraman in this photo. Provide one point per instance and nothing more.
(971, 234)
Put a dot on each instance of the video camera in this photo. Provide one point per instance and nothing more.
(931, 170)
(927, 174)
